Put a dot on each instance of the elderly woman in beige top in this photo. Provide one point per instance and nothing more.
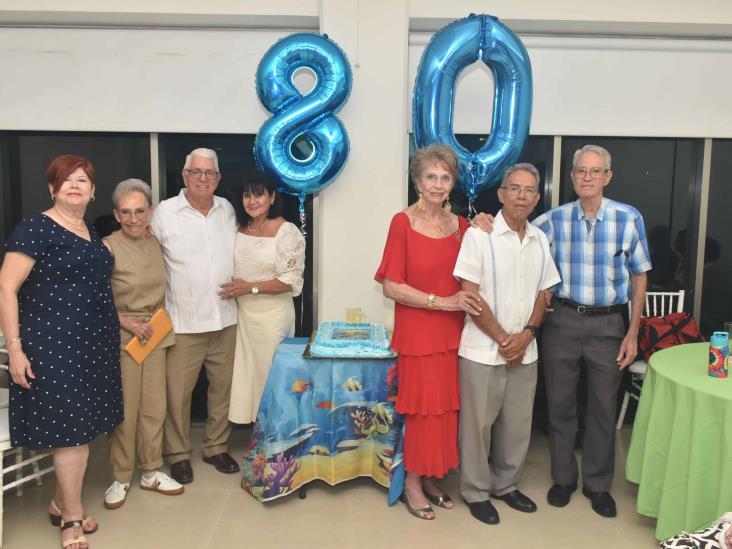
(138, 285)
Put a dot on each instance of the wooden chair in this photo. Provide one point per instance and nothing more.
(657, 304)
(20, 462)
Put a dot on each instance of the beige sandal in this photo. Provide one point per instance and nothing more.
(78, 537)
(55, 519)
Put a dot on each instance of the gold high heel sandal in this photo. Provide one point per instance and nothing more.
(419, 512)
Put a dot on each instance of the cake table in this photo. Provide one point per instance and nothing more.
(327, 419)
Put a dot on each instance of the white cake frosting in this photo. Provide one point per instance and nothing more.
(343, 339)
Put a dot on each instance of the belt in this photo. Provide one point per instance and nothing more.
(589, 310)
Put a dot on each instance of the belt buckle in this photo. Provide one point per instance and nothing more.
(581, 309)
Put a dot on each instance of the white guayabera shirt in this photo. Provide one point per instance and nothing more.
(199, 257)
(509, 272)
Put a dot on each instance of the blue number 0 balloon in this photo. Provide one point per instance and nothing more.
(295, 115)
(456, 46)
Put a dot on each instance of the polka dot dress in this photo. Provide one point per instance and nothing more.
(70, 332)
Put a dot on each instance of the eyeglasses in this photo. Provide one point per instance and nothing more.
(594, 172)
(195, 173)
(518, 189)
(139, 213)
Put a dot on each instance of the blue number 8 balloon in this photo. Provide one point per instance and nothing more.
(453, 48)
(295, 115)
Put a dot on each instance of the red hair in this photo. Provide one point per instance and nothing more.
(63, 166)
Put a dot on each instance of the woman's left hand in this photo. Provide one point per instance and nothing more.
(235, 288)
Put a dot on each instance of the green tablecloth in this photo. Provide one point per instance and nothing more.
(681, 449)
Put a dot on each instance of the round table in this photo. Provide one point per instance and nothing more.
(681, 449)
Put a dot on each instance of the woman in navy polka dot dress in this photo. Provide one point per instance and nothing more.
(62, 334)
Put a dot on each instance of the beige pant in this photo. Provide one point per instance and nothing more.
(143, 389)
(215, 352)
(496, 404)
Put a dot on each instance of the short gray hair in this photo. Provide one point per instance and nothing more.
(522, 166)
(602, 151)
(204, 153)
(128, 186)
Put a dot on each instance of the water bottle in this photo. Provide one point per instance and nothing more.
(718, 352)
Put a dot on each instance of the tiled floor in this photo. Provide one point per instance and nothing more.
(216, 513)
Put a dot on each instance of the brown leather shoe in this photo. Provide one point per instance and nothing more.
(223, 462)
(182, 472)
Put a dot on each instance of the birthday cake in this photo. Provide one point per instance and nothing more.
(347, 340)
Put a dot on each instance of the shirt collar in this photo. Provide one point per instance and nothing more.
(182, 202)
(600, 215)
(500, 226)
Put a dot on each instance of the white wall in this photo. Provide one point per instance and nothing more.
(608, 86)
(132, 80)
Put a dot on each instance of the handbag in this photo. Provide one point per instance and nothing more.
(162, 326)
(707, 538)
(660, 332)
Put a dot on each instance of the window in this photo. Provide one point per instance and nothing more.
(716, 302)
(537, 151)
(24, 157)
(657, 176)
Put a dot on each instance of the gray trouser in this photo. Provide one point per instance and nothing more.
(496, 403)
(568, 337)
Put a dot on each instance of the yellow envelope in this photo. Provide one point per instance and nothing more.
(162, 326)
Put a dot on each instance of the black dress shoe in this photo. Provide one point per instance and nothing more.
(223, 462)
(559, 494)
(484, 511)
(182, 472)
(518, 501)
(602, 503)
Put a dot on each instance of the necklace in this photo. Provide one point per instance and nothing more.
(75, 226)
(252, 229)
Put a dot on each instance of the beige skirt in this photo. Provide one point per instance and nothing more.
(264, 321)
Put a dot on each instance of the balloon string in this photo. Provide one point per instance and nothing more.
(471, 209)
(303, 217)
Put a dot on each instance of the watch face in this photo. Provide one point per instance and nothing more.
(255, 290)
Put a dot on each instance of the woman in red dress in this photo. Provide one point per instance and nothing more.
(416, 272)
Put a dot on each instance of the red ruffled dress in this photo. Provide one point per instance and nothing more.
(427, 342)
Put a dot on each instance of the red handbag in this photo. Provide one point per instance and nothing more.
(660, 332)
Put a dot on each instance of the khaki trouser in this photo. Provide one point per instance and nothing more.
(215, 352)
(143, 389)
(496, 403)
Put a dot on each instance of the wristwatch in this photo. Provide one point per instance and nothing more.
(531, 328)
(255, 290)
(431, 301)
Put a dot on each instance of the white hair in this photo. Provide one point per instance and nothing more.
(204, 153)
(128, 186)
(523, 166)
(602, 151)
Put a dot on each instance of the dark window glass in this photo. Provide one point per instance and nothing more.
(659, 177)
(716, 303)
(537, 151)
(24, 157)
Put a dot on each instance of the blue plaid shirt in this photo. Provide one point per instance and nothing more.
(596, 257)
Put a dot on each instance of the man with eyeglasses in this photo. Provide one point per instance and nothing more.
(509, 269)
(600, 248)
(197, 230)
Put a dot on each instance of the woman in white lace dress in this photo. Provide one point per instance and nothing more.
(269, 259)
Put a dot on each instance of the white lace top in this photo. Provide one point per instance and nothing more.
(258, 258)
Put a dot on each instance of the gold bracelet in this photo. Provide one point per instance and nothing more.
(10, 342)
(431, 301)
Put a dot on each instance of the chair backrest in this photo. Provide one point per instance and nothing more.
(661, 303)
